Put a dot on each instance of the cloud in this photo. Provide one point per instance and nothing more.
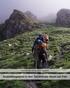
(38, 7)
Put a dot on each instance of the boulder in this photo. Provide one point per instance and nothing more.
(63, 18)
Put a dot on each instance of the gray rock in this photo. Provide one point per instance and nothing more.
(63, 18)
(17, 23)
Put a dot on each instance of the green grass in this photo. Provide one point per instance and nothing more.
(54, 84)
(13, 54)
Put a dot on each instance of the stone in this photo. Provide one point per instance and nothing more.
(63, 18)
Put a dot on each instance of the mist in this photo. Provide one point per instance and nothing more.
(40, 8)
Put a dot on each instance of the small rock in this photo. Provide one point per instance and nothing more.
(50, 57)
(60, 68)
(16, 44)
(27, 54)
(9, 44)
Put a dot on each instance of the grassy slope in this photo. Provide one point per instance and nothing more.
(13, 53)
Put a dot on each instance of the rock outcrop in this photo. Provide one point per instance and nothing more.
(17, 23)
(31, 17)
(63, 18)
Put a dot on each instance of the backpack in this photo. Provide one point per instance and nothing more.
(40, 44)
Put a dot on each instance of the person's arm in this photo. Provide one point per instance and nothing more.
(32, 48)
(33, 45)
(35, 42)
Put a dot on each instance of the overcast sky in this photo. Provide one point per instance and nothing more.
(38, 7)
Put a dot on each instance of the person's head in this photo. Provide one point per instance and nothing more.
(46, 38)
(40, 35)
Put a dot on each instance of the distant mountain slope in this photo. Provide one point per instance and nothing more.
(31, 16)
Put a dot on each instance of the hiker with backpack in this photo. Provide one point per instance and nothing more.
(39, 50)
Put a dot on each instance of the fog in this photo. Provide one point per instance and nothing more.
(40, 8)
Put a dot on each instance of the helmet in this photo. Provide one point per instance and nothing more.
(40, 35)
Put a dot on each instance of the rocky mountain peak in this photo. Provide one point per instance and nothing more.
(17, 23)
(17, 16)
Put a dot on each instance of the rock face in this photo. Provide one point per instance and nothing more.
(17, 23)
(31, 17)
(63, 18)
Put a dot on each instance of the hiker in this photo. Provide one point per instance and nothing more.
(39, 48)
